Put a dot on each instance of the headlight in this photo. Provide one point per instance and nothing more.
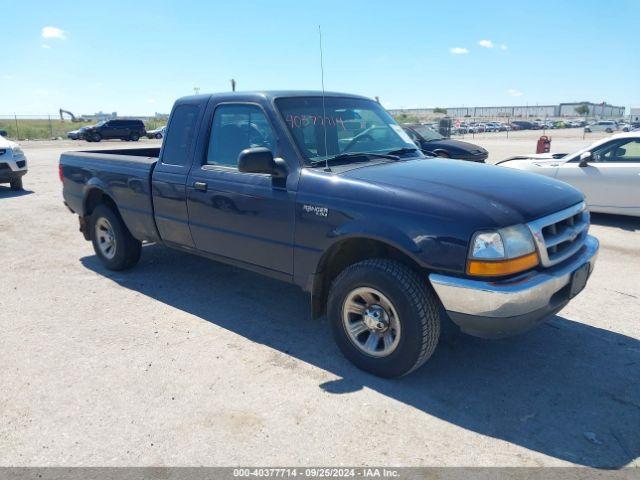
(17, 152)
(502, 252)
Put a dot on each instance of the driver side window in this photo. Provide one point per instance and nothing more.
(618, 151)
(236, 127)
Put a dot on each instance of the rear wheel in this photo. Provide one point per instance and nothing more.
(609, 130)
(384, 317)
(114, 245)
(16, 184)
(96, 137)
(134, 137)
(158, 136)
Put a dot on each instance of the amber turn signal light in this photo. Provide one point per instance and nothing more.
(496, 268)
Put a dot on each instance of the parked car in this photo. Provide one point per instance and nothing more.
(385, 240)
(115, 129)
(432, 143)
(76, 134)
(607, 172)
(524, 125)
(608, 126)
(3, 133)
(156, 132)
(13, 164)
(624, 127)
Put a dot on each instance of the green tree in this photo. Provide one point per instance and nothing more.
(440, 110)
(582, 109)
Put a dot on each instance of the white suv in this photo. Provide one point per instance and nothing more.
(608, 126)
(13, 164)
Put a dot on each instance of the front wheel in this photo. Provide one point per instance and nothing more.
(16, 184)
(114, 245)
(134, 137)
(384, 317)
(96, 137)
(609, 130)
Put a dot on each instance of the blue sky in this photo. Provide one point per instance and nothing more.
(138, 57)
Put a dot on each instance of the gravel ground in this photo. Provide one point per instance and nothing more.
(183, 361)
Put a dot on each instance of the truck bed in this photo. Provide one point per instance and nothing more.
(124, 174)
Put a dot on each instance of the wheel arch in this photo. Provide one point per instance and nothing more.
(95, 194)
(353, 249)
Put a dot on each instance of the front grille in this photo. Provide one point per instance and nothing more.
(560, 235)
(21, 163)
(3, 151)
(4, 166)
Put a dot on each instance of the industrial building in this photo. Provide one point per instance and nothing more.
(596, 110)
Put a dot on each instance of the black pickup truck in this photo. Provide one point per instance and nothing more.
(329, 193)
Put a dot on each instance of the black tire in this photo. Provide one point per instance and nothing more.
(96, 137)
(134, 137)
(16, 184)
(158, 136)
(127, 248)
(417, 306)
(608, 130)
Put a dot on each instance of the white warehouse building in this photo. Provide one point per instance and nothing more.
(522, 111)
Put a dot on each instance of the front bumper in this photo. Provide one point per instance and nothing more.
(12, 168)
(493, 309)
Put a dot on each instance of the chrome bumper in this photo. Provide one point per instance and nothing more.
(506, 307)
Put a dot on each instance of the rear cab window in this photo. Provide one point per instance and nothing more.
(180, 135)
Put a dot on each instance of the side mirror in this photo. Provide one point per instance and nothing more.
(585, 158)
(260, 160)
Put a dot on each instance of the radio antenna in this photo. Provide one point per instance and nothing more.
(324, 111)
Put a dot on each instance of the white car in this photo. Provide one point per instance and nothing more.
(13, 164)
(607, 172)
(608, 126)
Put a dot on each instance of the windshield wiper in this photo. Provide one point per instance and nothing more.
(402, 150)
(346, 156)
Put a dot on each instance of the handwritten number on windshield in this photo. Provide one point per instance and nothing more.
(300, 121)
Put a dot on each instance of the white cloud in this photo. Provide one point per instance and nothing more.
(44, 45)
(486, 43)
(459, 51)
(53, 32)
(512, 92)
(503, 46)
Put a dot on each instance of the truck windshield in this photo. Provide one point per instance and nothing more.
(350, 125)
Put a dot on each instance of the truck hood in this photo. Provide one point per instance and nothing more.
(490, 195)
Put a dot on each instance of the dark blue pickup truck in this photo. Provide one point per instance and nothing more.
(329, 193)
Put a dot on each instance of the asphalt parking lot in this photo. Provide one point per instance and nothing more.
(183, 361)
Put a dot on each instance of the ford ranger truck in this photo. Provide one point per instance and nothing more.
(329, 193)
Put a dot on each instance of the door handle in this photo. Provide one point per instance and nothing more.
(202, 186)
